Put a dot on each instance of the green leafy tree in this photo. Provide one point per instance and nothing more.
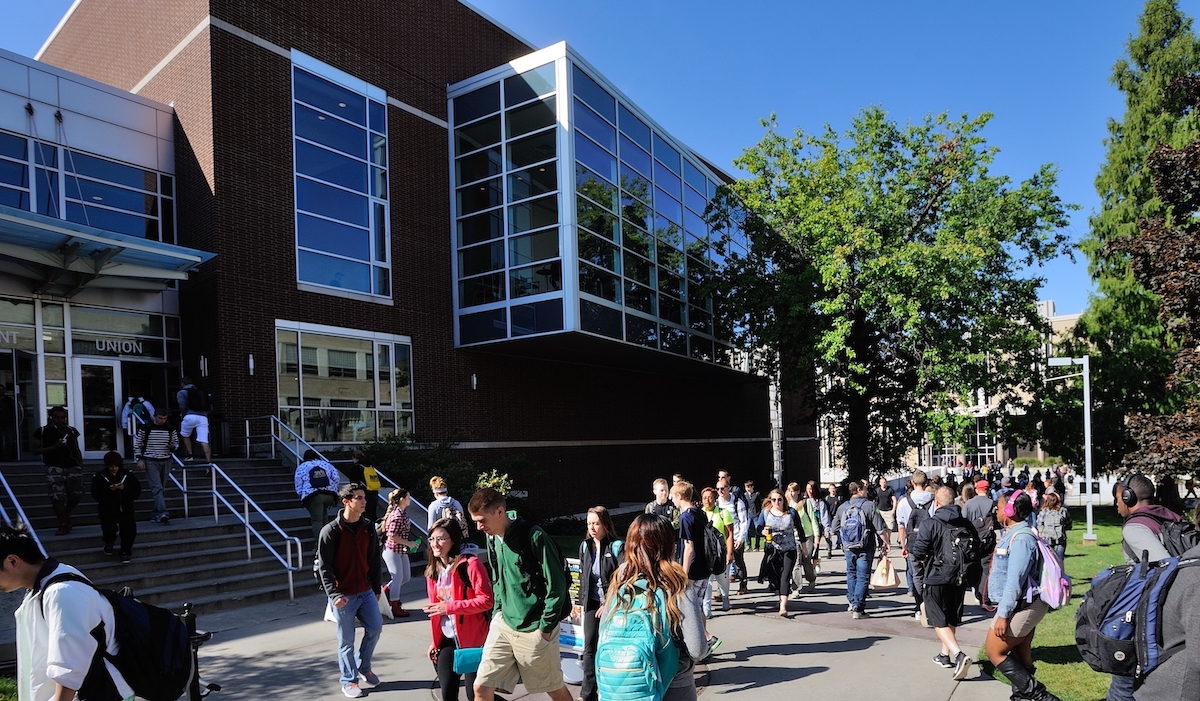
(1164, 256)
(884, 277)
(1131, 349)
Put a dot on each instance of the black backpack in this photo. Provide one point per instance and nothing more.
(1177, 537)
(714, 547)
(154, 649)
(535, 578)
(198, 399)
(918, 515)
(960, 553)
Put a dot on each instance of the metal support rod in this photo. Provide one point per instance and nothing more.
(216, 515)
(1087, 443)
(246, 515)
(247, 439)
(185, 494)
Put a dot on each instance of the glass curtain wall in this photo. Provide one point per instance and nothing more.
(106, 194)
(507, 204)
(341, 146)
(626, 238)
(342, 389)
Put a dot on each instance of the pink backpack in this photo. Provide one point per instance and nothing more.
(1053, 585)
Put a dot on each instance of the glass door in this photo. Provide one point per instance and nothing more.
(96, 409)
(10, 448)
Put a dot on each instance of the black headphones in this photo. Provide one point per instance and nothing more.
(1128, 497)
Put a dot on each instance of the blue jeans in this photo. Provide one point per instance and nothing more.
(858, 576)
(365, 608)
(1120, 689)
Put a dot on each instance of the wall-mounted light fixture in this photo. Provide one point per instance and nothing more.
(474, 381)
(251, 364)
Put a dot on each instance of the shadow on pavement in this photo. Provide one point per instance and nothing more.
(744, 677)
(847, 645)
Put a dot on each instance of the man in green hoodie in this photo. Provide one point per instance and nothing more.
(529, 593)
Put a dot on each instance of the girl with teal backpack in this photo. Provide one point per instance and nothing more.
(652, 628)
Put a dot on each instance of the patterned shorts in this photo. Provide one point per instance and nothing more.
(64, 482)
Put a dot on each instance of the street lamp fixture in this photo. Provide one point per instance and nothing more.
(1090, 536)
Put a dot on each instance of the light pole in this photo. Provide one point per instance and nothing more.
(1087, 429)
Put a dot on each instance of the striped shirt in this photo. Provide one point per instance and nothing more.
(155, 441)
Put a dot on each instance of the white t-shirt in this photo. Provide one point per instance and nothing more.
(58, 648)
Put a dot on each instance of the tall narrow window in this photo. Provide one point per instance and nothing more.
(341, 179)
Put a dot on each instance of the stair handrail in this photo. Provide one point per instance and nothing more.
(244, 517)
(22, 519)
(298, 446)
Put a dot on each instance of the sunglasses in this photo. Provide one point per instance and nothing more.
(776, 499)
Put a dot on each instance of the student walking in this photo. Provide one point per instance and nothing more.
(397, 530)
(153, 445)
(460, 597)
(114, 488)
(349, 569)
(1053, 522)
(662, 504)
(59, 627)
(723, 522)
(781, 550)
(937, 549)
(316, 483)
(531, 598)
(861, 527)
(599, 555)
(1014, 564)
(649, 566)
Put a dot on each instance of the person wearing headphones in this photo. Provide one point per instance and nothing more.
(1140, 536)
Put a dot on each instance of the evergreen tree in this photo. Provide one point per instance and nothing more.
(1131, 349)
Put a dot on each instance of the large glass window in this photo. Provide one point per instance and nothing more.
(106, 194)
(623, 163)
(507, 206)
(340, 149)
(343, 389)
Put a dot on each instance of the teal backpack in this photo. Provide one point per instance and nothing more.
(636, 658)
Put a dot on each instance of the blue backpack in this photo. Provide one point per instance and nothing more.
(636, 658)
(1117, 627)
(854, 527)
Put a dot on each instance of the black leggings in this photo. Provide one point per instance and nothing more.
(448, 680)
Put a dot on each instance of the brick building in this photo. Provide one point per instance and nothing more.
(317, 154)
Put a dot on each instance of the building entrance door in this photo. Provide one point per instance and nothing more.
(18, 403)
(96, 406)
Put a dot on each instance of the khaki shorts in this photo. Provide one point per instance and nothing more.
(509, 656)
(889, 520)
(1024, 621)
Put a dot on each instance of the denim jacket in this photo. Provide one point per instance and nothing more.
(1012, 564)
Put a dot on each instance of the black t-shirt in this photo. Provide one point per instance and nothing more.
(883, 498)
(49, 435)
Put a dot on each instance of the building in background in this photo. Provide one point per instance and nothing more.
(90, 265)
(512, 265)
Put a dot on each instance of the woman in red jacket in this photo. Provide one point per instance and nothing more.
(459, 594)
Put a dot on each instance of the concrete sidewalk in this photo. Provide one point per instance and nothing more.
(287, 652)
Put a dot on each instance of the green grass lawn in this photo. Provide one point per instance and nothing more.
(1059, 665)
(8, 689)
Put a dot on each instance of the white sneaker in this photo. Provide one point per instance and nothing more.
(351, 691)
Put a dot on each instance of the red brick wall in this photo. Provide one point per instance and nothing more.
(233, 102)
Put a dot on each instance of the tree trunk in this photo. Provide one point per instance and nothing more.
(858, 437)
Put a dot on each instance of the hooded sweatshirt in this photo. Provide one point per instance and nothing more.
(1141, 532)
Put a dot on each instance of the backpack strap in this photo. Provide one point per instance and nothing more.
(617, 547)
(64, 577)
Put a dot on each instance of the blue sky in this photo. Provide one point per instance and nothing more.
(708, 71)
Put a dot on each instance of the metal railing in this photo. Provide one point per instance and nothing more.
(22, 519)
(283, 437)
(292, 543)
